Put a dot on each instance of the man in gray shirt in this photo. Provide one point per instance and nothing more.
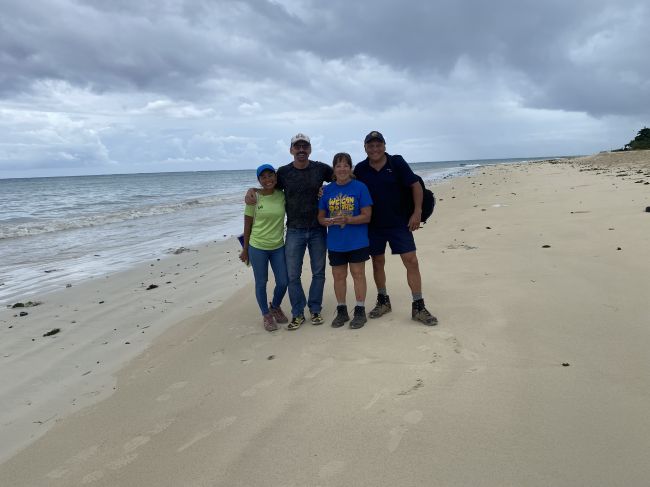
(301, 181)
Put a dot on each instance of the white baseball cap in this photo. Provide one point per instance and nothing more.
(299, 137)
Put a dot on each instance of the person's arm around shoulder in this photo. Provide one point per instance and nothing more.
(251, 196)
(365, 201)
(322, 208)
(328, 175)
(248, 228)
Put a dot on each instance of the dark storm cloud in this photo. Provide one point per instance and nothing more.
(179, 48)
(120, 47)
(581, 55)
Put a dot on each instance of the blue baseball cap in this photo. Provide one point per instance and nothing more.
(264, 167)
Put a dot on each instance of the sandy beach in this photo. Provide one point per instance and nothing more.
(537, 374)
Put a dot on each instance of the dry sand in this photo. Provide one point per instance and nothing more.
(537, 374)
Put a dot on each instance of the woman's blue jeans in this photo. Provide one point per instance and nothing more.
(260, 260)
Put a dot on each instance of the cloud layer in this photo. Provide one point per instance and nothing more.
(96, 87)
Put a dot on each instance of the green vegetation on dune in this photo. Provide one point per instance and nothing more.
(641, 141)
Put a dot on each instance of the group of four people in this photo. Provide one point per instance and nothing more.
(351, 219)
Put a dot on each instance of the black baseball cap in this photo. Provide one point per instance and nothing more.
(374, 135)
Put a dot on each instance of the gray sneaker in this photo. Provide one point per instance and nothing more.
(341, 316)
(382, 307)
(359, 319)
(420, 313)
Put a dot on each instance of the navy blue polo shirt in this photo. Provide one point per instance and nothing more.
(387, 188)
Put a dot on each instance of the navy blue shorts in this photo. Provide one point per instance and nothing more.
(400, 239)
(352, 256)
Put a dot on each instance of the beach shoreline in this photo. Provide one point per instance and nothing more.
(103, 323)
(537, 272)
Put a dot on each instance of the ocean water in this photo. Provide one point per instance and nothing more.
(60, 230)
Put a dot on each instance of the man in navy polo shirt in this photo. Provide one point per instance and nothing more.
(387, 177)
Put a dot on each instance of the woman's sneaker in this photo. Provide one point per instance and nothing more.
(341, 316)
(316, 319)
(420, 313)
(268, 322)
(382, 307)
(359, 319)
(277, 314)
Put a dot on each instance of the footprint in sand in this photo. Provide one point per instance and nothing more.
(455, 344)
(324, 365)
(160, 427)
(220, 425)
(376, 397)
(92, 477)
(80, 457)
(475, 369)
(166, 396)
(135, 443)
(397, 433)
(57, 473)
(84, 455)
(331, 469)
(260, 385)
(122, 461)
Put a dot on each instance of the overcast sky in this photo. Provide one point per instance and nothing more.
(119, 86)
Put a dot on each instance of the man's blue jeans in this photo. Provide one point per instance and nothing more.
(297, 241)
(260, 260)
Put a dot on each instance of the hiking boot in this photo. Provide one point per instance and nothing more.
(382, 307)
(296, 322)
(341, 316)
(359, 319)
(278, 314)
(268, 322)
(316, 319)
(420, 313)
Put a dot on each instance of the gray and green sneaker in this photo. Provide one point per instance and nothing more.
(316, 319)
(382, 307)
(296, 322)
(421, 314)
(359, 319)
(341, 316)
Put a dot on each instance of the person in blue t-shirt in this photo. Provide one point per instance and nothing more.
(389, 179)
(345, 209)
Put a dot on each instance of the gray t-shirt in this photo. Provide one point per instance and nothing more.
(301, 188)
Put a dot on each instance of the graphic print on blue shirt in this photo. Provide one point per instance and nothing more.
(347, 199)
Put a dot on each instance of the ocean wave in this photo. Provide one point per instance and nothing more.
(16, 228)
